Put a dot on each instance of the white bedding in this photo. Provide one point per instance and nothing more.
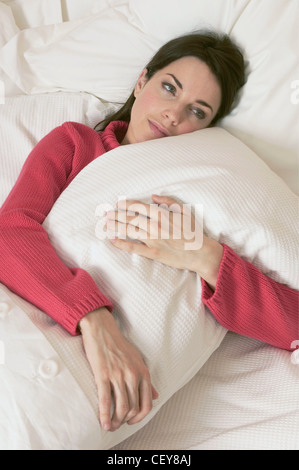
(159, 308)
(245, 396)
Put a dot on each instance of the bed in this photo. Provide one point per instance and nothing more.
(56, 66)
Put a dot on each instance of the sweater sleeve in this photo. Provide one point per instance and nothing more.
(248, 302)
(29, 265)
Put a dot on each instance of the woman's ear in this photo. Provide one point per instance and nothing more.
(140, 82)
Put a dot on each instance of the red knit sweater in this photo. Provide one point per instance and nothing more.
(245, 300)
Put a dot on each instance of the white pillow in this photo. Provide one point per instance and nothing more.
(75, 9)
(8, 26)
(160, 19)
(267, 117)
(104, 53)
(159, 308)
(31, 14)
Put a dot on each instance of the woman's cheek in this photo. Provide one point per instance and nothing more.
(148, 102)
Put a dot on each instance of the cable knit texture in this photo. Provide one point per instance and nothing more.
(245, 300)
(252, 304)
(29, 265)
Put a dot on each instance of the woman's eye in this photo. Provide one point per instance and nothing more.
(199, 113)
(169, 87)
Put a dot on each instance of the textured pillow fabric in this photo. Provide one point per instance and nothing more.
(159, 308)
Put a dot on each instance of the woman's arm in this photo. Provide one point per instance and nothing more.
(252, 304)
(239, 296)
(29, 265)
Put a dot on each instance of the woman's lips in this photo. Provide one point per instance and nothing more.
(158, 130)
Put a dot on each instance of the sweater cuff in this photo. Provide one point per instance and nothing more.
(228, 261)
(86, 305)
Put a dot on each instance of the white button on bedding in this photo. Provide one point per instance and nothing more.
(4, 308)
(48, 369)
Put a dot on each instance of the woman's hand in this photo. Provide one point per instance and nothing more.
(120, 374)
(163, 232)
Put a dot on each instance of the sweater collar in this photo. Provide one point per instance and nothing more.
(113, 135)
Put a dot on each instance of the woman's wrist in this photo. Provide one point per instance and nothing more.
(88, 322)
(207, 261)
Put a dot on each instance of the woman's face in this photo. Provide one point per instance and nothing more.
(182, 97)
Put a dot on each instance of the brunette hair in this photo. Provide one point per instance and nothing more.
(218, 51)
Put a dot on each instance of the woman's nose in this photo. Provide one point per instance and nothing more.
(174, 114)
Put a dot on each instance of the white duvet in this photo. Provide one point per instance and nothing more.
(159, 308)
(168, 322)
(245, 396)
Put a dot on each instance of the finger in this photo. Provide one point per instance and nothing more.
(105, 401)
(155, 394)
(126, 230)
(133, 395)
(146, 401)
(121, 405)
(140, 249)
(134, 206)
(158, 218)
(133, 224)
(148, 217)
(168, 201)
(123, 216)
(187, 219)
(123, 220)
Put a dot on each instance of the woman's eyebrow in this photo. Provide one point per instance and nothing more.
(203, 103)
(176, 81)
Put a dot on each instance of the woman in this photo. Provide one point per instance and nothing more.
(189, 84)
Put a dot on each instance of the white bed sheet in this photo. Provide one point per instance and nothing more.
(246, 395)
(244, 398)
